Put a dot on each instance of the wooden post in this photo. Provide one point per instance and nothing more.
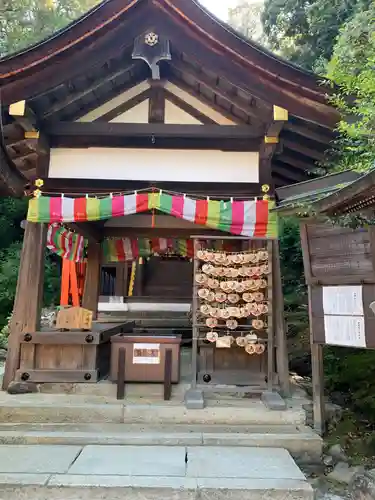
(280, 331)
(140, 277)
(271, 330)
(92, 282)
(317, 370)
(29, 295)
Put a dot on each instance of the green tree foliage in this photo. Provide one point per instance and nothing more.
(26, 22)
(352, 67)
(304, 31)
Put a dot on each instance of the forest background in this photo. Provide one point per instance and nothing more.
(336, 39)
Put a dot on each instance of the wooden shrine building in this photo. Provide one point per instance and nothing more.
(148, 133)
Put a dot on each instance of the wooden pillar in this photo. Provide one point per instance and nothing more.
(92, 281)
(317, 374)
(140, 277)
(29, 295)
(282, 360)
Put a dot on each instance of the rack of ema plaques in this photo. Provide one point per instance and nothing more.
(233, 337)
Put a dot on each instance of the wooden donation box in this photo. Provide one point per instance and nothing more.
(340, 271)
(68, 356)
(145, 357)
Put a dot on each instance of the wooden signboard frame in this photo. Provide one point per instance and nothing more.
(339, 265)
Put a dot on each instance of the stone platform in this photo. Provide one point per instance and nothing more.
(96, 472)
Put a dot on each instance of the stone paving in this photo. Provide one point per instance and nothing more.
(166, 471)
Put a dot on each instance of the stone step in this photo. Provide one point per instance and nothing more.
(116, 472)
(17, 487)
(66, 408)
(303, 444)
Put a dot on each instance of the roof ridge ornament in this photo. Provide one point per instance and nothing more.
(152, 48)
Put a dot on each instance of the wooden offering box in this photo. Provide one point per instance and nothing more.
(145, 357)
(74, 356)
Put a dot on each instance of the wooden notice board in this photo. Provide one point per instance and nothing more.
(334, 255)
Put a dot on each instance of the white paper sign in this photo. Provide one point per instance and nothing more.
(146, 354)
(343, 300)
(346, 331)
(115, 299)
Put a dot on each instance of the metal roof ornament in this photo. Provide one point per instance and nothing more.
(152, 48)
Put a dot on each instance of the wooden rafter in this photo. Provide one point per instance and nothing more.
(304, 131)
(301, 148)
(214, 86)
(78, 95)
(136, 80)
(288, 171)
(287, 157)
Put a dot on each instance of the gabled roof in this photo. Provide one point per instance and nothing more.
(89, 62)
(338, 193)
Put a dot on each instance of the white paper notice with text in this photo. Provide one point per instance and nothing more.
(344, 322)
(343, 300)
(346, 331)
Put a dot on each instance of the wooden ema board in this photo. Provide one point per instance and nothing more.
(229, 365)
(335, 255)
(343, 315)
(74, 318)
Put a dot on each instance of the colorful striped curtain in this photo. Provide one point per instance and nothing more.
(251, 218)
(127, 249)
(68, 245)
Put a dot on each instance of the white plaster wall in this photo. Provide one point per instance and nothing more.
(200, 106)
(176, 116)
(138, 114)
(154, 165)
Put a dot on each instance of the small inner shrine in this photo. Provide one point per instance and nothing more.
(151, 139)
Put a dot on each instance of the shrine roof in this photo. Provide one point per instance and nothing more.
(90, 62)
(337, 194)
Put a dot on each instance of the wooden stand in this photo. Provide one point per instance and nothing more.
(258, 374)
(73, 356)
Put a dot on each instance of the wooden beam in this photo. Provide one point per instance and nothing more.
(29, 294)
(77, 96)
(282, 360)
(295, 174)
(104, 131)
(322, 138)
(214, 86)
(92, 281)
(304, 165)
(142, 232)
(24, 116)
(216, 190)
(87, 230)
(268, 148)
(299, 147)
(156, 108)
(195, 113)
(125, 106)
